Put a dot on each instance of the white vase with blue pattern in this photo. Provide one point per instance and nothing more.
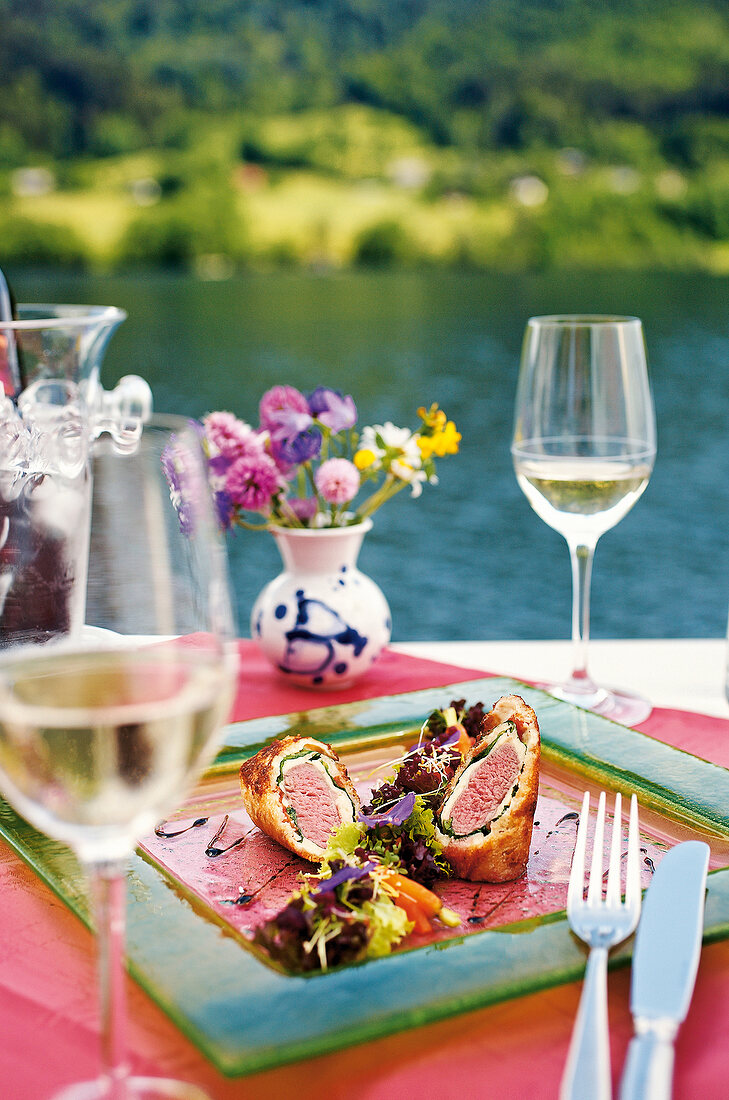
(321, 622)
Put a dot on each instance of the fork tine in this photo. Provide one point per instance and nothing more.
(632, 881)
(576, 886)
(612, 895)
(594, 890)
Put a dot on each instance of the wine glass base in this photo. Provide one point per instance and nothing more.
(133, 1088)
(619, 706)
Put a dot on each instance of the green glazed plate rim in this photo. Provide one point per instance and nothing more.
(246, 1017)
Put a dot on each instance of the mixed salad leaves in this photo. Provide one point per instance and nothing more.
(373, 887)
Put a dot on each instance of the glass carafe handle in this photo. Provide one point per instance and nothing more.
(122, 411)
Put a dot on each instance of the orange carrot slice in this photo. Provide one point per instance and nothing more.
(414, 913)
(424, 898)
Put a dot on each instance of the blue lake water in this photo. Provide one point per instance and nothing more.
(469, 559)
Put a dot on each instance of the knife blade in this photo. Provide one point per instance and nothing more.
(665, 961)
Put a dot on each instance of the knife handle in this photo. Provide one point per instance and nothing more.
(648, 1073)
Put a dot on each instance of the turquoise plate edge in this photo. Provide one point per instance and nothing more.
(246, 1017)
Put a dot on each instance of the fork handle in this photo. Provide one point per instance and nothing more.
(587, 1072)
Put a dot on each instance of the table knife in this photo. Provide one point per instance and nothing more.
(665, 961)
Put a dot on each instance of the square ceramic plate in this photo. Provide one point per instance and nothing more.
(187, 936)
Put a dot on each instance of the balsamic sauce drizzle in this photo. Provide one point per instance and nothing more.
(478, 918)
(160, 830)
(244, 898)
(212, 851)
(571, 816)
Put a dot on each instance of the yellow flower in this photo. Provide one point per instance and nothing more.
(441, 443)
(433, 417)
(427, 446)
(364, 458)
(447, 441)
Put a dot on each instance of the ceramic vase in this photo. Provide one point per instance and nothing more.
(321, 622)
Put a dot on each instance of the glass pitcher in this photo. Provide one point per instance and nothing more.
(50, 363)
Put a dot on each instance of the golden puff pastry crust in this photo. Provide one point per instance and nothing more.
(498, 852)
(271, 802)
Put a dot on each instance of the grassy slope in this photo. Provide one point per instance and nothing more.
(323, 179)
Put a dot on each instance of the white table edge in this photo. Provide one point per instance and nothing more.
(682, 673)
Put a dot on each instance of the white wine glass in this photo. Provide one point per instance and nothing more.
(583, 448)
(103, 730)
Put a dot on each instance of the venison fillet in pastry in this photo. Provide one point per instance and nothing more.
(297, 791)
(486, 817)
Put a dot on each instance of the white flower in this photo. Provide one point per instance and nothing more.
(405, 472)
(368, 442)
(399, 440)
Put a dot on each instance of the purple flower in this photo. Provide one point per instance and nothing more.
(304, 508)
(224, 509)
(285, 415)
(299, 448)
(280, 400)
(337, 480)
(252, 482)
(333, 408)
(346, 874)
(290, 423)
(397, 815)
(220, 464)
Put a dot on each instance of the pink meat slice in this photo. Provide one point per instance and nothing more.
(487, 786)
(313, 800)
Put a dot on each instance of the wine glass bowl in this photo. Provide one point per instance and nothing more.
(583, 449)
(581, 486)
(104, 729)
(97, 746)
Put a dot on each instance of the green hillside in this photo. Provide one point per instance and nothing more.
(485, 133)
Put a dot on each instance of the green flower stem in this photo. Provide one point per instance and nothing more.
(288, 514)
(238, 521)
(390, 486)
(321, 504)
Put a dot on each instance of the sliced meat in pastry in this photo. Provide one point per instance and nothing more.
(298, 792)
(485, 820)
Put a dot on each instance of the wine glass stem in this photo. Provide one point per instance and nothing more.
(108, 882)
(581, 555)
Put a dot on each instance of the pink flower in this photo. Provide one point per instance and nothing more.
(277, 405)
(230, 436)
(252, 482)
(337, 480)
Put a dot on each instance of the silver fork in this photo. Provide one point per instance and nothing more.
(601, 924)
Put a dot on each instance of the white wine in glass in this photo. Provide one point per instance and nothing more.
(583, 448)
(103, 730)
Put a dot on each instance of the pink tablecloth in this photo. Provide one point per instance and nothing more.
(48, 1028)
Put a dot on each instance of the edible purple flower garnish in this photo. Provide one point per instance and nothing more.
(344, 875)
(397, 815)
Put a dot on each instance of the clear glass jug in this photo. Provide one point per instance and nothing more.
(50, 362)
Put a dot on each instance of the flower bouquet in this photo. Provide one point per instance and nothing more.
(307, 466)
